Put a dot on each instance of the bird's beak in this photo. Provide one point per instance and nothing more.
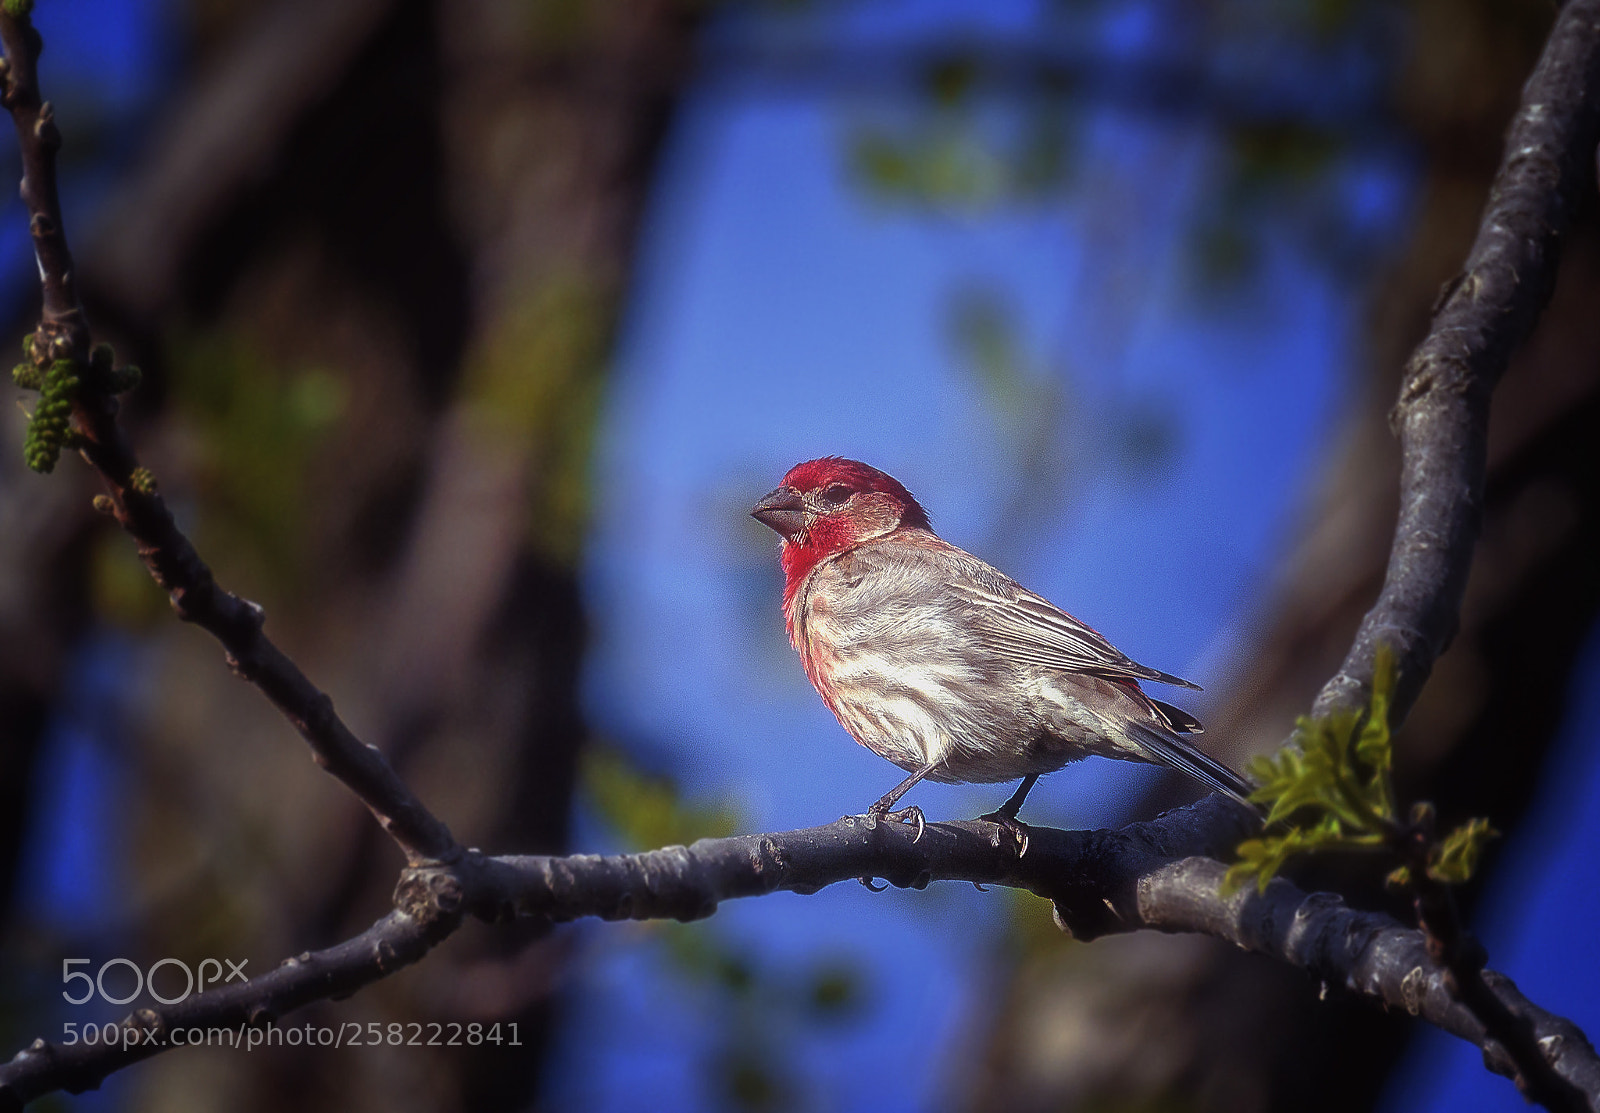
(782, 511)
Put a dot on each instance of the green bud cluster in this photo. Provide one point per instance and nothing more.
(49, 428)
(143, 480)
(117, 380)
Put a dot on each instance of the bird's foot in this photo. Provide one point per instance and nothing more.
(910, 814)
(1010, 824)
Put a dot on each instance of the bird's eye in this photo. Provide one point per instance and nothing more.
(836, 494)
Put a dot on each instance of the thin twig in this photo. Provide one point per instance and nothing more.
(1463, 958)
(63, 333)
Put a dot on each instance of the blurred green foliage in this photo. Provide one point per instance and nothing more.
(558, 24)
(1034, 932)
(955, 150)
(540, 382)
(257, 426)
(951, 161)
(647, 811)
(120, 586)
(1032, 403)
(984, 333)
(983, 130)
(1268, 181)
(753, 1002)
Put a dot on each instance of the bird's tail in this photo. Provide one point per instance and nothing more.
(1173, 751)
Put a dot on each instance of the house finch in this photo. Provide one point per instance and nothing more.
(933, 659)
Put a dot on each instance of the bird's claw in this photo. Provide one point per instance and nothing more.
(1011, 824)
(909, 814)
(867, 881)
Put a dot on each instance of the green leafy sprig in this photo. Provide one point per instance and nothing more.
(1331, 788)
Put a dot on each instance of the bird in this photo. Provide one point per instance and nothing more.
(932, 658)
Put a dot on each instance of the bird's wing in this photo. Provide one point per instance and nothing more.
(1012, 620)
(912, 575)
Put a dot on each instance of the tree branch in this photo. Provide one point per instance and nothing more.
(1442, 419)
(397, 940)
(63, 333)
(1144, 875)
(1374, 956)
(1442, 416)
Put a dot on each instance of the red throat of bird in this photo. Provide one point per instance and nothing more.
(823, 539)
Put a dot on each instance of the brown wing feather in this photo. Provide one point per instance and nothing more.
(1013, 620)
